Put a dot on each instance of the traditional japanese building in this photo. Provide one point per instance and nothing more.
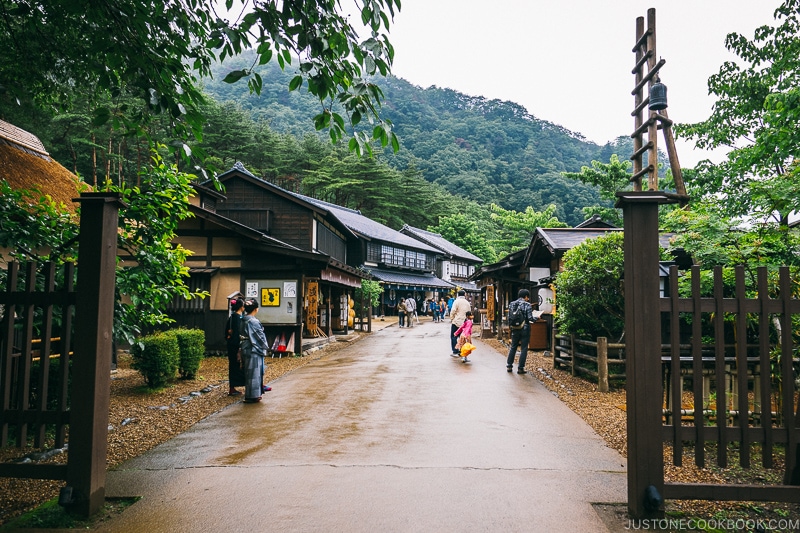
(260, 241)
(403, 264)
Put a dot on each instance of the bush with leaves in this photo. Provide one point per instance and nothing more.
(152, 270)
(589, 289)
(156, 357)
(191, 346)
(370, 291)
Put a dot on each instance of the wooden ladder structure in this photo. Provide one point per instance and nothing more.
(646, 72)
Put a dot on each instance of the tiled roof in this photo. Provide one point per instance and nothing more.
(367, 227)
(595, 221)
(562, 239)
(437, 241)
(408, 279)
(469, 286)
(550, 243)
(351, 218)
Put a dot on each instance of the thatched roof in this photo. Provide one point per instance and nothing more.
(25, 164)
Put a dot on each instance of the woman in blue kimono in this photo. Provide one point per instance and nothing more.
(254, 348)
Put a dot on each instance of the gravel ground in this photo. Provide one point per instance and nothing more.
(605, 413)
(142, 419)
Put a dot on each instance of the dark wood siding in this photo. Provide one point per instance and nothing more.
(330, 243)
(250, 204)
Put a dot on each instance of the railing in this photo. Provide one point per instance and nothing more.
(590, 357)
(28, 403)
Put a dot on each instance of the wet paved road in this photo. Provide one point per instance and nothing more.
(387, 434)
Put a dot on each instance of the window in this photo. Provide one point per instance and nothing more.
(373, 252)
(460, 270)
(330, 243)
(198, 281)
(398, 257)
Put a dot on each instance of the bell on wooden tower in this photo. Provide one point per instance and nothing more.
(658, 96)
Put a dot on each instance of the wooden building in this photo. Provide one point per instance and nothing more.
(260, 241)
(535, 268)
(404, 265)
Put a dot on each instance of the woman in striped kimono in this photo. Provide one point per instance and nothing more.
(254, 348)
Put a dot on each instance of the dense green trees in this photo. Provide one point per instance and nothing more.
(756, 117)
(470, 146)
(757, 186)
(156, 50)
(461, 230)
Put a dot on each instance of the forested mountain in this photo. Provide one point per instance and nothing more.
(459, 155)
(490, 151)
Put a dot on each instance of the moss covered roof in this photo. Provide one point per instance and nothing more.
(25, 164)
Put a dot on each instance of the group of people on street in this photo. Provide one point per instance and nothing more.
(461, 322)
(437, 310)
(406, 311)
(247, 347)
(247, 342)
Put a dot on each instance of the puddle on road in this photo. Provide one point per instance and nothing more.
(263, 425)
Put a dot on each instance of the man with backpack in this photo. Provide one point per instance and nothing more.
(411, 310)
(520, 317)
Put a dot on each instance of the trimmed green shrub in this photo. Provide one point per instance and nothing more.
(191, 344)
(53, 377)
(156, 358)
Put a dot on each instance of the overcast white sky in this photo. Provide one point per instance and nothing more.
(569, 61)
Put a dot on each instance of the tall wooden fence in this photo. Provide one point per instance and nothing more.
(42, 325)
(34, 390)
(765, 320)
(763, 408)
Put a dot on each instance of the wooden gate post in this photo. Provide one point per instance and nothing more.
(643, 346)
(91, 367)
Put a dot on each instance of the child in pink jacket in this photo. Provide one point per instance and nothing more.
(464, 334)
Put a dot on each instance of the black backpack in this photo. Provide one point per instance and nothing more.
(516, 318)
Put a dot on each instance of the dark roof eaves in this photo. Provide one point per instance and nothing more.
(430, 238)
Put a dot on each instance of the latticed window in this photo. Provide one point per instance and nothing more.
(199, 280)
(373, 252)
(399, 257)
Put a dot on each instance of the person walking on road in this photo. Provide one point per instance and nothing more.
(411, 311)
(442, 309)
(401, 312)
(464, 335)
(254, 348)
(232, 340)
(521, 335)
(458, 314)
